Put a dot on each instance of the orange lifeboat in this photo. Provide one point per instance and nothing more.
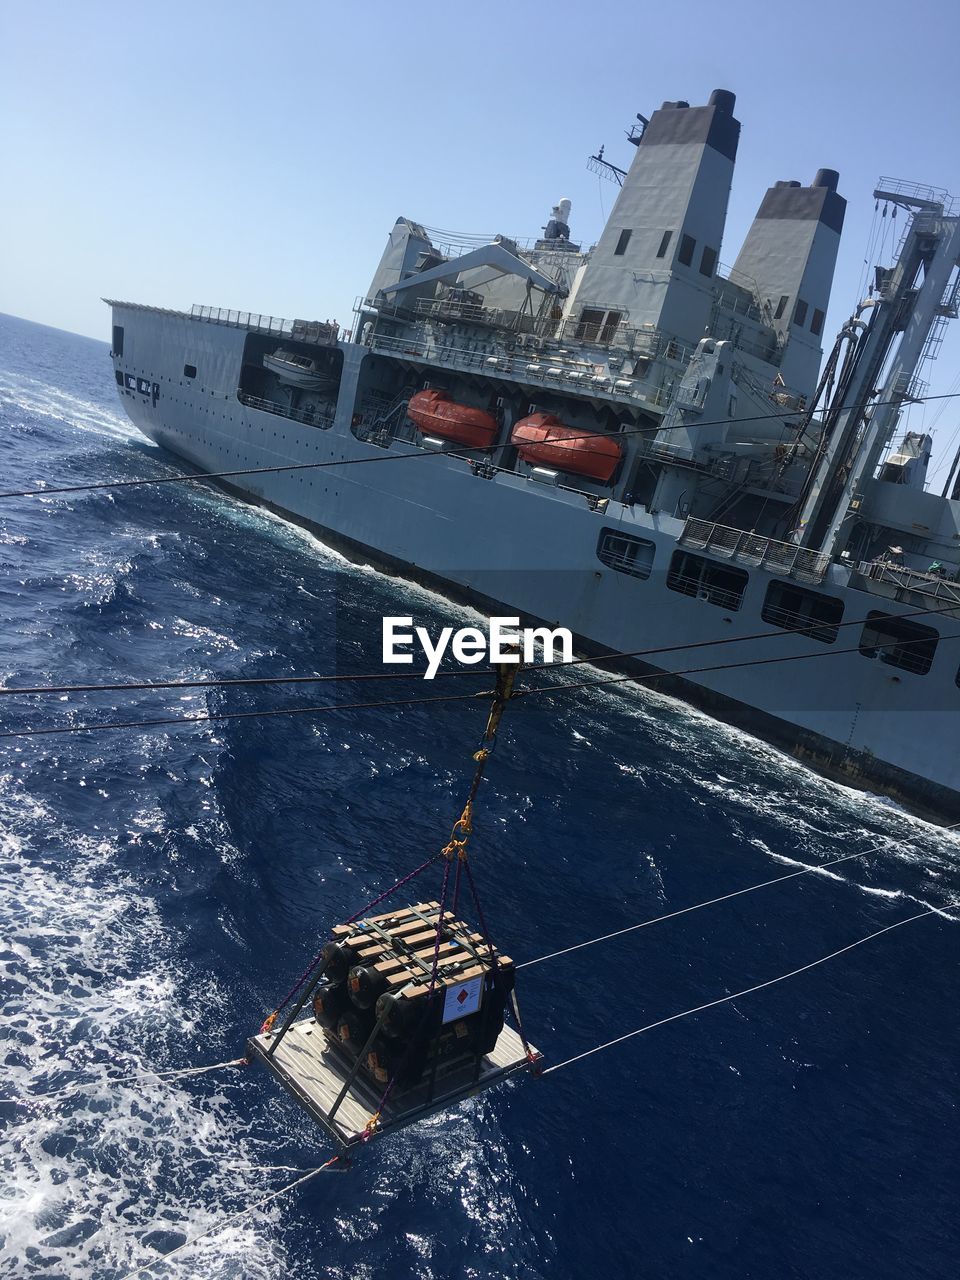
(436, 414)
(544, 439)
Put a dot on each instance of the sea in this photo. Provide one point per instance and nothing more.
(161, 887)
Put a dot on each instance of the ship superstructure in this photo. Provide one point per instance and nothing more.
(632, 441)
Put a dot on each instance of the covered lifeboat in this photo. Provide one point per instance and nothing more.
(544, 439)
(436, 414)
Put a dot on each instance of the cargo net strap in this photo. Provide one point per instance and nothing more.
(311, 969)
(534, 1059)
(373, 1123)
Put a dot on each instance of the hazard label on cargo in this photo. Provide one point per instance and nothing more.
(462, 999)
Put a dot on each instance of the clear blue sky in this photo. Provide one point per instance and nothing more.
(255, 155)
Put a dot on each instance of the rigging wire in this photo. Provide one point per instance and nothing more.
(200, 476)
(759, 986)
(452, 697)
(942, 408)
(245, 715)
(728, 666)
(711, 902)
(869, 256)
(224, 682)
(218, 682)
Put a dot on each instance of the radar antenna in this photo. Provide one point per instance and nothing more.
(597, 164)
(613, 172)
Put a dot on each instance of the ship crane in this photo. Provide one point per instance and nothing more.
(917, 294)
(492, 259)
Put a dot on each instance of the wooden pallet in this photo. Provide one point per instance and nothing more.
(312, 1067)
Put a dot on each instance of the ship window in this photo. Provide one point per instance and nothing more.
(664, 244)
(610, 325)
(718, 584)
(800, 312)
(189, 370)
(796, 609)
(622, 243)
(781, 306)
(816, 324)
(899, 642)
(708, 260)
(119, 377)
(589, 324)
(625, 553)
(687, 246)
(117, 340)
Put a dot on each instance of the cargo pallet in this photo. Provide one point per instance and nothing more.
(313, 1069)
(332, 1084)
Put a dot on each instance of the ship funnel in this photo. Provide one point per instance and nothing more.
(724, 100)
(790, 253)
(657, 257)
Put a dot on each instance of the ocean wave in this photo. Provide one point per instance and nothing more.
(94, 991)
(35, 398)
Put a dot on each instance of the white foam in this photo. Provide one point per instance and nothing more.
(250, 513)
(95, 994)
(41, 399)
(792, 791)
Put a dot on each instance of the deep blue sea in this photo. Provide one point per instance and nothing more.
(160, 888)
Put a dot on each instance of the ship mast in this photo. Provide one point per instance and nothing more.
(915, 295)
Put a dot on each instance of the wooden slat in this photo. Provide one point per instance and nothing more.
(398, 914)
(390, 963)
(404, 912)
(404, 968)
(447, 958)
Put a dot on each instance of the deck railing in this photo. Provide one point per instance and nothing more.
(622, 338)
(676, 456)
(925, 584)
(704, 590)
(284, 411)
(551, 370)
(791, 620)
(321, 332)
(750, 548)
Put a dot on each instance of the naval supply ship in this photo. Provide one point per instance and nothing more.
(633, 441)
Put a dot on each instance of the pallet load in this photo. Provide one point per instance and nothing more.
(377, 983)
(389, 1042)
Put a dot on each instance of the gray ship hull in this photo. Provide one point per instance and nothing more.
(505, 543)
